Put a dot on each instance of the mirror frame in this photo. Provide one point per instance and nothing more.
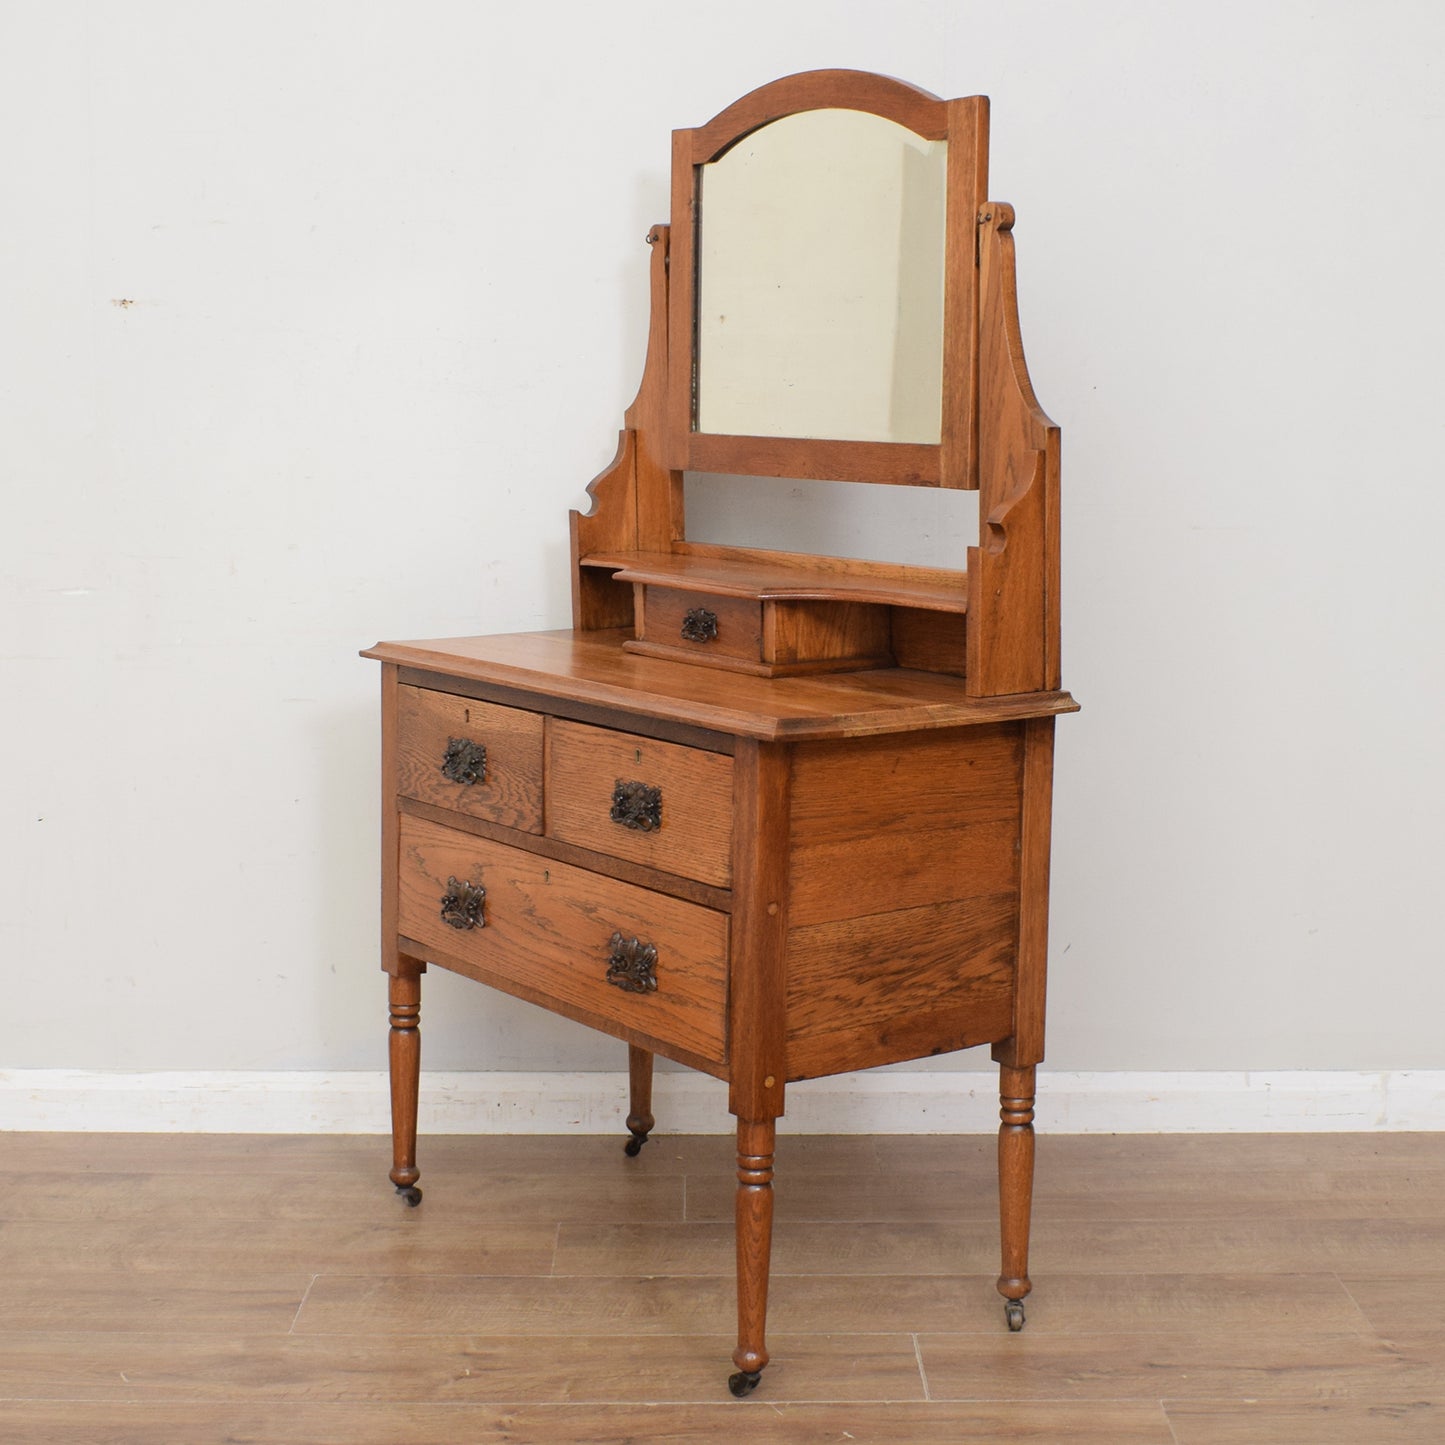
(963, 124)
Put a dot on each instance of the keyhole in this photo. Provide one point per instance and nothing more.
(638, 754)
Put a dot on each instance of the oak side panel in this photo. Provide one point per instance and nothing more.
(609, 524)
(930, 641)
(900, 985)
(805, 631)
(659, 487)
(1013, 643)
(891, 822)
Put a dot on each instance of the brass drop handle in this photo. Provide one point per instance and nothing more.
(463, 904)
(632, 964)
(636, 805)
(699, 625)
(464, 761)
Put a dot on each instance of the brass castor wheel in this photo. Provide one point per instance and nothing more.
(1013, 1312)
(633, 1147)
(744, 1382)
(410, 1194)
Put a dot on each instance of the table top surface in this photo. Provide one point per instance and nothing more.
(592, 667)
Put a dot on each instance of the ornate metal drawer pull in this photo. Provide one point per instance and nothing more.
(635, 805)
(462, 904)
(632, 964)
(465, 761)
(699, 625)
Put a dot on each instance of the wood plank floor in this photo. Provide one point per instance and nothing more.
(1188, 1290)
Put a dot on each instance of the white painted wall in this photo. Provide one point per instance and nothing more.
(316, 318)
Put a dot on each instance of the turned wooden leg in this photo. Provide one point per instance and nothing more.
(755, 1247)
(640, 1120)
(405, 1058)
(1015, 1186)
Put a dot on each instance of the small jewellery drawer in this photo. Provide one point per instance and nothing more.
(704, 625)
(766, 636)
(469, 756)
(657, 803)
(647, 961)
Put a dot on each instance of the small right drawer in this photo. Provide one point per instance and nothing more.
(471, 757)
(657, 803)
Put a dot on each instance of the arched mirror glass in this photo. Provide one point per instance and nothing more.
(820, 263)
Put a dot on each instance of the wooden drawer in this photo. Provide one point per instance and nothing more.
(770, 637)
(550, 928)
(597, 797)
(438, 759)
(735, 630)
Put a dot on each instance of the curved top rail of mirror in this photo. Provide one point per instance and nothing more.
(894, 100)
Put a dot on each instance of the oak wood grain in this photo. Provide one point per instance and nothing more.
(549, 925)
(901, 985)
(510, 790)
(694, 839)
(938, 811)
(706, 894)
(738, 619)
(1013, 633)
(593, 668)
(792, 576)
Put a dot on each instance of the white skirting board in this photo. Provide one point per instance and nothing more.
(687, 1103)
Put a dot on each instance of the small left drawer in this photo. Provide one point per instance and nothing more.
(472, 757)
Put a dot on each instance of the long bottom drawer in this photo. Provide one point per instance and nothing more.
(648, 961)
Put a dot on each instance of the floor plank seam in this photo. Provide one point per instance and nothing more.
(305, 1295)
(1169, 1422)
(922, 1373)
(1365, 1320)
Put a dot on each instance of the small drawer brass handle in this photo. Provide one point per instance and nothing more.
(636, 805)
(699, 625)
(632, 964)
(463, 904)
(464, 761)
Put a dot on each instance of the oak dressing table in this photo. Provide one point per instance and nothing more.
(769, 814)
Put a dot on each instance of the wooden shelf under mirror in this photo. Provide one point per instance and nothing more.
(769, 814)
(779, 616)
